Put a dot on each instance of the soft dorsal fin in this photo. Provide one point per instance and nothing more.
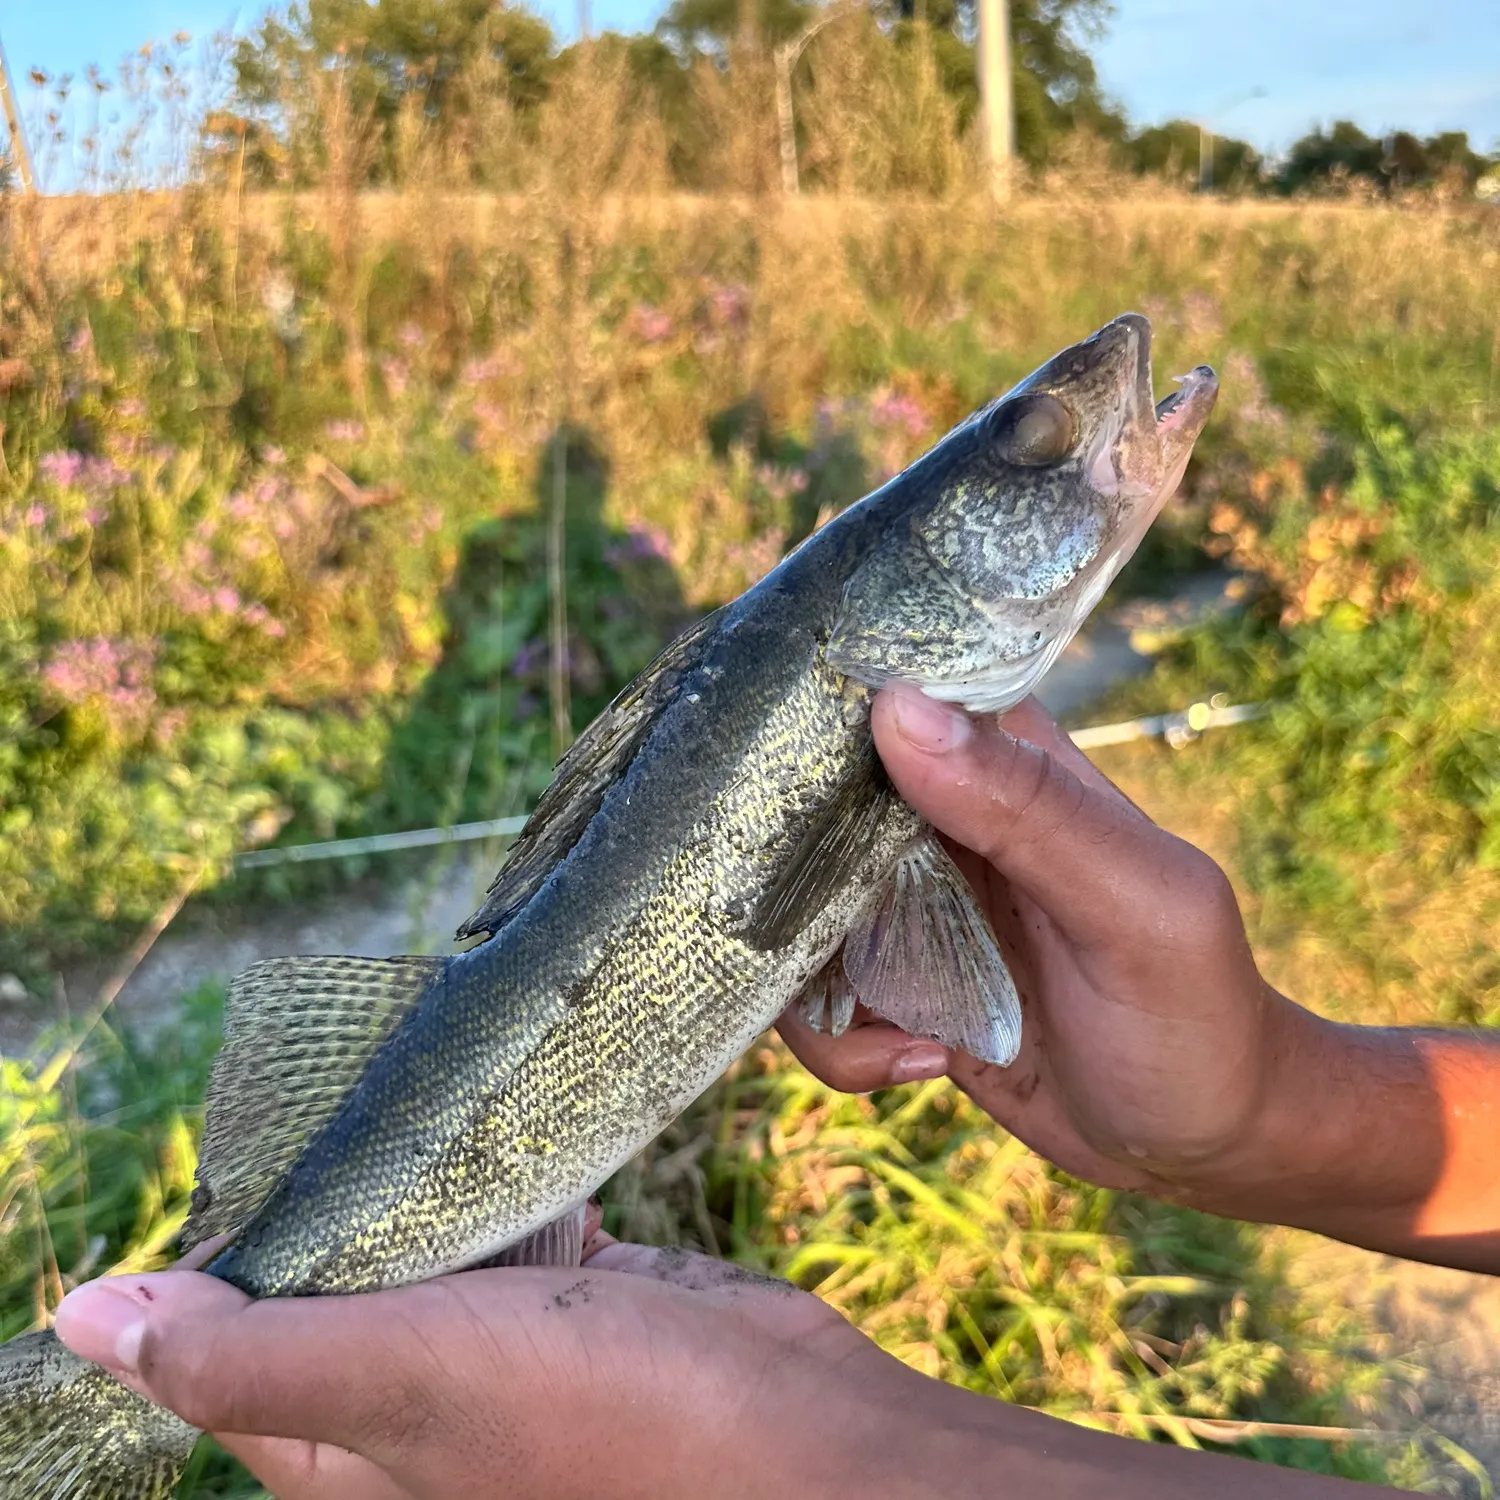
(298, 1035)
(599, 757)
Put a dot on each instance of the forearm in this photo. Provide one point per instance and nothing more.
(1386, 1138)
(962, 1443)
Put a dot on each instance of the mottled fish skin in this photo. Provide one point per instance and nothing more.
(697, 866)
(554, 1052)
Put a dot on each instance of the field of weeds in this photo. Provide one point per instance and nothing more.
(339, 513)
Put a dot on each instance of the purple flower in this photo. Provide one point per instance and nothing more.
(275, 457)
(132, 408)
(227, 601)
(82, 340)
(346, 431)
(482, 371)
(649, 323)
(639, 544)
(412, 336)
(190, 598)
(101, 474)
(115, 673)
(62, 468)
(36, 515)
(95, 516)
(890, 410)
(729, 304)
(529, 658)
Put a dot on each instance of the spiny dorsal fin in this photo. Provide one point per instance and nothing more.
(827, 858)
(599, 757)
(926, 959)
(298, 1035)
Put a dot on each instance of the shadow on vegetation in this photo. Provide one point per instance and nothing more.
(475, 743)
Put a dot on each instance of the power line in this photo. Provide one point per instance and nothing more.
(1177, 729)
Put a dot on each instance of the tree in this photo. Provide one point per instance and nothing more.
(1172, 150)
(1399, 160)
(1056, 85)
(392, 57)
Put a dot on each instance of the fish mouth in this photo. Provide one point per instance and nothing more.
(1178, 418)
(1181, 416)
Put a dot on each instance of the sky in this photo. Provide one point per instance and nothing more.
(1383, 63)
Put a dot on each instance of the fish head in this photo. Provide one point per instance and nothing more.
(997, 544)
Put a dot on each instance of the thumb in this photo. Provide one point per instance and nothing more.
(282, 1367)
(1039, 813)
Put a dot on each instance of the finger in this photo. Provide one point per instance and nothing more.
(864, 1058)
(1089, 858)
(1029, 721)
(358, 1372)
(295, 1470)
(200, 1255)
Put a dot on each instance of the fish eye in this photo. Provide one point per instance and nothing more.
(1035, 430)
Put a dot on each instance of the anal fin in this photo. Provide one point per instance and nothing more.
(559, 1243)
(298, 1035)
(926, 959)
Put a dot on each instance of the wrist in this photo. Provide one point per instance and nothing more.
(1336, 1141)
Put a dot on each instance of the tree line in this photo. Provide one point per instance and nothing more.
(885, 94)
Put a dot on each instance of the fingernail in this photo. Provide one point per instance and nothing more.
(929, 725)
(927, 1060)
(104, 1323)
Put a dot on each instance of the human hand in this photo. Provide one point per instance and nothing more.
(643, 1372)
(1149, 1036)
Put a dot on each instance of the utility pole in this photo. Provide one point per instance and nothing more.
(19, 154)
(1206, 133)
(996, 99)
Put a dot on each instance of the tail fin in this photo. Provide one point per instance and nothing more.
(68, 1431)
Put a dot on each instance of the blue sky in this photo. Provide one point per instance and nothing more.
(1430, 66)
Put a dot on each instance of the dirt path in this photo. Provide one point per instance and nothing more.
(1444, 1323)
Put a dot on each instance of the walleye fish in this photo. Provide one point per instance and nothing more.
(719, 844)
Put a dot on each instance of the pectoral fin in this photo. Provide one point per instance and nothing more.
(926, 959)
(825, 860)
